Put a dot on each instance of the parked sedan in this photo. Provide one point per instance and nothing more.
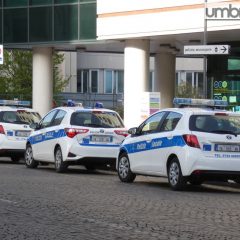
(184, 144)
(74, 135)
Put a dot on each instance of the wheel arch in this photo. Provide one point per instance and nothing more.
(122, 151)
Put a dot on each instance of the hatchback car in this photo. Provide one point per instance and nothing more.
(184, 144)
(14, 128)
(74, 135)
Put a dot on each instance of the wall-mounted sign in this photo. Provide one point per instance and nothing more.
(206, 49)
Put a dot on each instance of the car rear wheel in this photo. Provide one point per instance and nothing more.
(29, 160)
(124, 171)
(60, 165)
(175, 177)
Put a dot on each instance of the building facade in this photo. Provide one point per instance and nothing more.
(137, 29)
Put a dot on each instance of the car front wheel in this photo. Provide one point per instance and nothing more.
(124, 171)
(60, 166)
(175, 177)
(29, 160)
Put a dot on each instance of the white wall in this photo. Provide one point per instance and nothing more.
(119, 19)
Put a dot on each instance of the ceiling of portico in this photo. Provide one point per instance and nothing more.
(156, 42)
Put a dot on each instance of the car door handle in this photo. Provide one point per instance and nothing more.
(148, 140)
(170, 137)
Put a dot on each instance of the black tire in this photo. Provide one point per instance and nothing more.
(15, 159)
(175, 177)
(90, 167)
(28, 156)
(60, 165)
(124, 171)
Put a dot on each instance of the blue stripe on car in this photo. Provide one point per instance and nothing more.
(47, 136)
(154, 144)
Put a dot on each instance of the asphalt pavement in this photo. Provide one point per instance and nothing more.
(80, 204)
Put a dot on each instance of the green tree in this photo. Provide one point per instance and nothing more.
(16, 75)
(186, 90)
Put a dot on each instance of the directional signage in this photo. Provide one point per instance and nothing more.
(206, 49)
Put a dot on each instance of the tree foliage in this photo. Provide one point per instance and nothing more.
(186, 90)
(16, 74)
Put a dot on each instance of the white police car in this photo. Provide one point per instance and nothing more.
(74, 135)
(184, 144)
(15, 118)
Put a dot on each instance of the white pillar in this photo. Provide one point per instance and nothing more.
(42, 80)
(136, 74)
(165, 78)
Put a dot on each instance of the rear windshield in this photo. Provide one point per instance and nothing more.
(96, 119)
(215, 124)
(19, 117)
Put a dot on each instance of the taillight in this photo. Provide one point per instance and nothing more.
(121, 132)
(72, 132)
(2, 130)
(191, 140)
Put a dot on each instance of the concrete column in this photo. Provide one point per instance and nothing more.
(42, 80)
(165, 77)
(136, 74)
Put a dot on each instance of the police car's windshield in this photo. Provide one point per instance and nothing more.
(19, 117)
(99, 119)
(220, 124)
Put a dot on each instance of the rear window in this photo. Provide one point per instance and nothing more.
(19, 117)
(99, 119)
(221, 124)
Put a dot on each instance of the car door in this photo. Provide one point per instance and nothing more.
(168, 139)
(144, 144)
(41, 141)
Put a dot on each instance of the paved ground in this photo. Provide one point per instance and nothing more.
(41, 204)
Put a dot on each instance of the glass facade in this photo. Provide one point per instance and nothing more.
(47, 21)
(224, 77)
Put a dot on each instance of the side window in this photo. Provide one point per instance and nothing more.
(46, 122)
(58, 118)
(151, 125)
(170, 122)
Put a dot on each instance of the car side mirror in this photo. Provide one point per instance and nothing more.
(35, 126)
(133, 131)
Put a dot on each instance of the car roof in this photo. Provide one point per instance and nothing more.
(196, 110)
(14, 109)
(76, 109)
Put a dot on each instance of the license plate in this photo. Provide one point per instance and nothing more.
(22, 133)
(227, 148)
(104, 139)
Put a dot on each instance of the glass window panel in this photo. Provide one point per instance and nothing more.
(15, 25)
(15, 3)
(85, 80)
(40, 2)
(108, 86)
(65, 1)
(94, 81)
(120, 82)
(1, 25)
(88, 21)
(40, 28)
(66, 22)
(189, 78)
(79, 81)
(87, 1)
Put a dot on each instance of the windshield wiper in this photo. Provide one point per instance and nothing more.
(225, 132)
